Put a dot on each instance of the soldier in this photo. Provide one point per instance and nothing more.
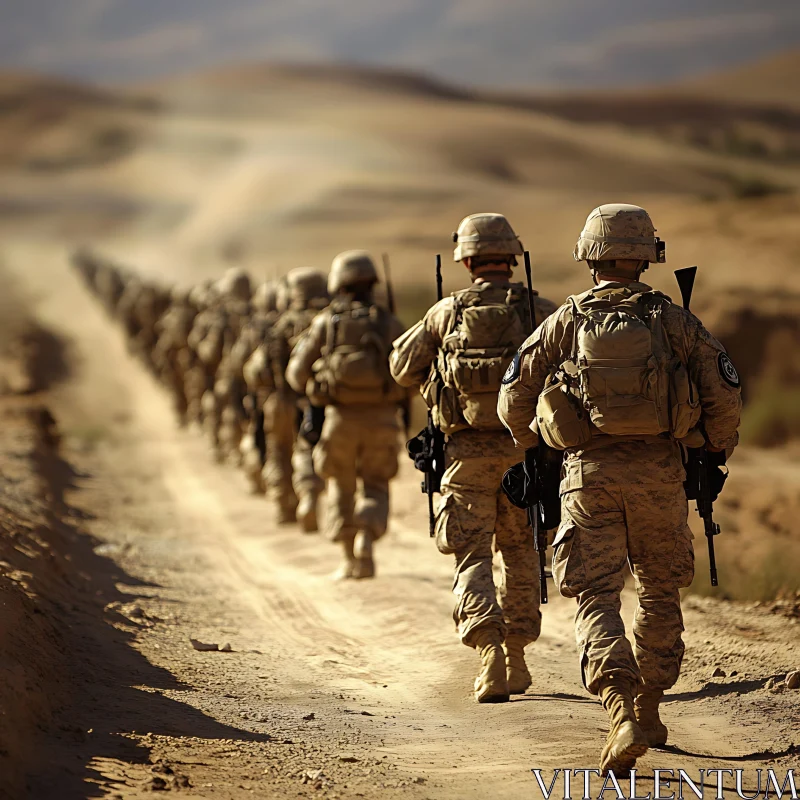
(224, 320)
(615, 378)
(254, 336)
(289, 471)
(170, 355)
(458, 354)
(196, 377)
(343, 365)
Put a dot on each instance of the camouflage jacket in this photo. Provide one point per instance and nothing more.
(415, 351)
(550, 345)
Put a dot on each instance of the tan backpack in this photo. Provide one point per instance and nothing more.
(354, 366)
(490, 324)
(622, 374)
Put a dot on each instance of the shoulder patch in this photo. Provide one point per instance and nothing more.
(728, 371)
(512, 373)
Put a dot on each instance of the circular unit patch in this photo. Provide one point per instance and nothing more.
(512, 373)
(728, 371)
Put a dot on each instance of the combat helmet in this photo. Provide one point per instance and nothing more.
(235, 284)
(307, 288)
(350, 268)
(485, 234)
(265, 297)
(618, 230)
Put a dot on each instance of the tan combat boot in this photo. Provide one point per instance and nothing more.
(364, 564)
(647, 714)
(519, 678)
(307, 512)
(626, 741)
(347, 568)
(491, 686)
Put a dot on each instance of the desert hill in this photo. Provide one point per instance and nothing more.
(288, 165)
(769, 82)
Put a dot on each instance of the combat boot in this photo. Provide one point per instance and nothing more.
(348, 565)
(364, 562)
(491, 686)
(646, 706)
(626, 741)
(307, 512)
(519, 678)
(287, 512)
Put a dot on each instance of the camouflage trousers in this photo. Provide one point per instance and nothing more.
(473, 516)
(357, 456)
(604, 531)
(281, 425)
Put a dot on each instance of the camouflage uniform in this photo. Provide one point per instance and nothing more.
(249, 367)
(171, 351)
(289, 470)
(473, 512)
(359, 438)
(456, 354)
(623, 502)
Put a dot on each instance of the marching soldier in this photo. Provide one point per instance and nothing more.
(289, 471)
(458, 355)
(342, 363)
(616, 378)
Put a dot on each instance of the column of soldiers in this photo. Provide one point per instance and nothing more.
(300, 382)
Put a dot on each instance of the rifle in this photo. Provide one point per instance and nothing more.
(535, 468)
(704, 474)
(312, 419)
(427, 448)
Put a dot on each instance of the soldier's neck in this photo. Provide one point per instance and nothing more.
(599, 277)
(499, 276)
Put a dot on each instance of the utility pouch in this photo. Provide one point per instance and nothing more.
(562, 420)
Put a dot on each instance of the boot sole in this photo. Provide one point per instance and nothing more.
(626, 760)
(493, 698)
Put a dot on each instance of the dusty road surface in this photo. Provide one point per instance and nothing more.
(329, 689)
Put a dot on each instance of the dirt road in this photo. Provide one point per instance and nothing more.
(357, 689)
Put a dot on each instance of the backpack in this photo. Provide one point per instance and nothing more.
(490, 323)
(622, 370)
(354, 366)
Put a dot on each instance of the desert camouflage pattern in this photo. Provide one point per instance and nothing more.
(286, 455)
(623, 502)
(358, 449)
(473, 518)
(486, 234)
(617, 231)
(171, 354)
(473, 515)
(603, 530)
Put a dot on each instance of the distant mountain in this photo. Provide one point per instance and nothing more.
(506, 43)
